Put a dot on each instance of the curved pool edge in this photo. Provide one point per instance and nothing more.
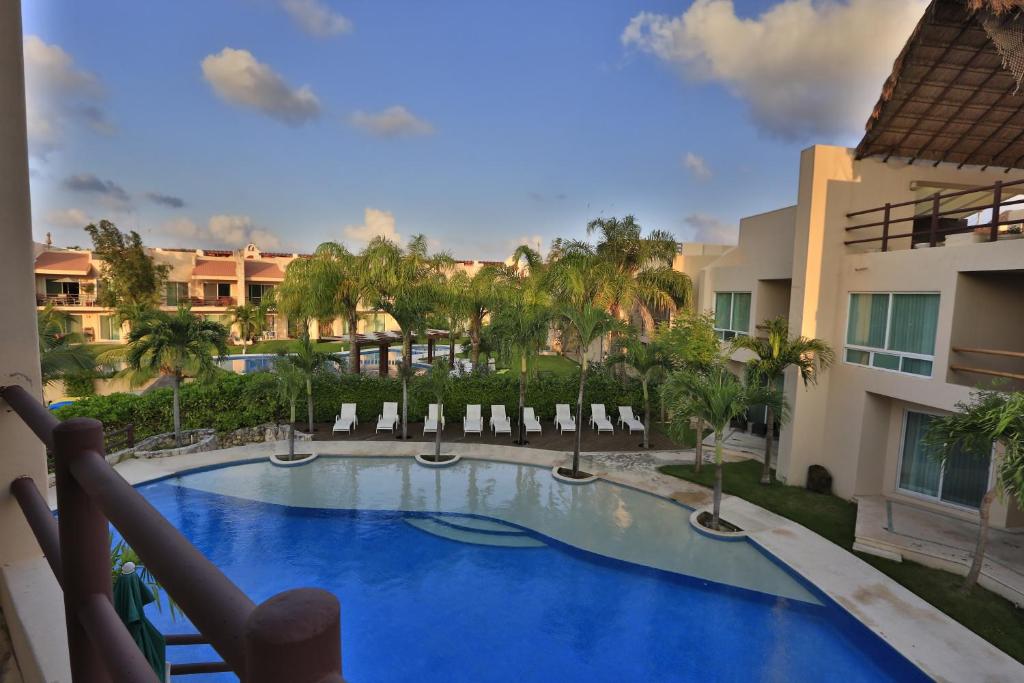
(946, 650)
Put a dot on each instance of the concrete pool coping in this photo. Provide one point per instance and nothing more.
(938, 645)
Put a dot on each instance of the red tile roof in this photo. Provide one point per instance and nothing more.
(63, 263)
(214, 270)
(263, 271)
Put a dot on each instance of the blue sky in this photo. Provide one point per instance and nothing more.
(480, 124)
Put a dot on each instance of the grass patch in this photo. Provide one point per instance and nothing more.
(992, 617)
(286, 346)
(559, 365)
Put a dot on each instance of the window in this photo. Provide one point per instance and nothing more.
(963, 480)
(110, 328)
(893, 332)
(375, 322)
(177, 293)
(257, 292)
(732, 314)
(61, 288)
(216, 290)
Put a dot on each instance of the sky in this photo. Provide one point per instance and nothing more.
(482, 125)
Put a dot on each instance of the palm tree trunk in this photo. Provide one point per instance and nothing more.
(698, 453)
(177, 409)
(522, 399)
(647, 412)
(766, 473)
(979, 548)
(309, 402)
(353, 323)
(405, 407)
(717, 499)
(245, 336)
(437, 432)
(291, 434)
(474, 336)
(579, 418)
(407, 350)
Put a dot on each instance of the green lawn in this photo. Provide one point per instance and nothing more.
(990, 616)
(559, 365)
(287, 345)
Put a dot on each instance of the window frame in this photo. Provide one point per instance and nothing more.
(937, 499)
(871, 351)
(723, 332)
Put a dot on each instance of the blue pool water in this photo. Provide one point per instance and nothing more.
(495, 572)
(249, 363)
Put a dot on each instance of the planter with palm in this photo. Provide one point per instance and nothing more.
(291, 380)
(251, 319)
(716, 396)
(439, 379)
(309, 361)
(175, 345)
(649, 361)
(773, 355)
(990, 418)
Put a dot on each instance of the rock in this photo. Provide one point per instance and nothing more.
(818, 479)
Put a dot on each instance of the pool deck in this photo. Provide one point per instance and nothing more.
(938, 645)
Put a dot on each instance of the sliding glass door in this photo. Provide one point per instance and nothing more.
(963, 480)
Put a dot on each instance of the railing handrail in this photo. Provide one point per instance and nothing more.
(948, 195)
(255, 640)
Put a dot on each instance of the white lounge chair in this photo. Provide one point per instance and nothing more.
(531, 421)
(388, 418)
(346, 420)
(628, 419)
(500, 424)
(563, 418)
(430, 424)
(473, 423)
(598, 419)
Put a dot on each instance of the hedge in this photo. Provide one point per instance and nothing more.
(234, 401)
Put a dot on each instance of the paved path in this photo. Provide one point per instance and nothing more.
(940, 646)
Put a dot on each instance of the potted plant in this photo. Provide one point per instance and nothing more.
(1012, 232)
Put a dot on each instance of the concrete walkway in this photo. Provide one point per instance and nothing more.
(940, 646)
(897, 530)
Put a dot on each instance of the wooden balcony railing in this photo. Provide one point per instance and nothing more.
(65, 300)
(933, 224)
(294, 636)
(224, 301)
(991, 372)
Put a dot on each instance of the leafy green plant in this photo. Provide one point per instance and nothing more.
(121, 553)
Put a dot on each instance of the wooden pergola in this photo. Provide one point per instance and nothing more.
(953, 95)
(384, 340)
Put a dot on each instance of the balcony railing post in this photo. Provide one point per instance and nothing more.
(997, 198)
(84, 542)
(885, 227)
(934, 237)
(294, 636)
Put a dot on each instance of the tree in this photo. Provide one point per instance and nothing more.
(452, 309)
(478, 299)
(990, 417)
(439, 379)
(520, 323)
(773, 355)
(174, 344)
(716, 396)
(407, 284)
(309, 361)
(691, 344)
(291, 380)
(61, 353)
(129, 276)
(650, 361)
(251, 319)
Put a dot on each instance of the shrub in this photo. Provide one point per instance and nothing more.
(234, 401)
(80, 384)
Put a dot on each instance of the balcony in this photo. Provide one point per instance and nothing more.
(979, 214)
(220, 301)
(985, 343)
(65, 300)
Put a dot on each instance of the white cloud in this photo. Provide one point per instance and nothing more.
(264, 239)
(237, 231)
(697, 166)
(180, 227)
(376, 223)
(803, 68)
(58, 92)
(316, 18)
(711, 230)
(238, 78)
(68, 218)
(392, 122)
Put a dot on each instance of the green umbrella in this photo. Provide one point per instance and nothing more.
(130, 596)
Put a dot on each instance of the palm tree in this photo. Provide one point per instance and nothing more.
(716, 396)
(478, 300)
(439, 379)
(774, 355)
(586, 323)
(291, 380)
(650, 361)
(990, 417)
(173, 344)
(408, 285)
(309, 361)
(520, 323)
(61, 352)
(453, 309)
(251, 319)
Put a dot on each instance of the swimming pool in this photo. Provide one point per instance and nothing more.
(490, 571)
(369, 358)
